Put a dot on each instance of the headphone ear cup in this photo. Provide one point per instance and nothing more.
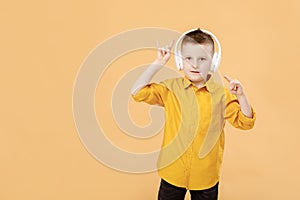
(214, 62)
(179, 60)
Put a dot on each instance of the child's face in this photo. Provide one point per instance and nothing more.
(196, 61)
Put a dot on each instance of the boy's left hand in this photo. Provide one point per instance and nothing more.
(235, 86)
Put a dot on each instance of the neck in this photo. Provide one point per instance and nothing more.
(200, 84)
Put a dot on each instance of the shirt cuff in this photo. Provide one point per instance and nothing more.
(139, 96)
(248, 121)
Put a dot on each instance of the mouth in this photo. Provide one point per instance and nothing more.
(195, 72)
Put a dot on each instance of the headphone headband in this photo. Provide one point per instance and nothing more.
(216, 58)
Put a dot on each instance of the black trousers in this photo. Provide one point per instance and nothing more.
(171, 192)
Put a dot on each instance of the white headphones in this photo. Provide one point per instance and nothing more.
(216, 57)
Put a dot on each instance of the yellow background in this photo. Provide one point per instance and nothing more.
(42, 46)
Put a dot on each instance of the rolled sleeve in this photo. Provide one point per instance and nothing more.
(236, 117)
(245, 122)
(153, 93)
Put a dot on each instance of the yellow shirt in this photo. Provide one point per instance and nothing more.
(193, 144)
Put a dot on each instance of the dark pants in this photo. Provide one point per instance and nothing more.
(171, 192)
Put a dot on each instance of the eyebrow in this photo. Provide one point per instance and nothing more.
(192, 56)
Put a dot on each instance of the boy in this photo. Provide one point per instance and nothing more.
(195, 110)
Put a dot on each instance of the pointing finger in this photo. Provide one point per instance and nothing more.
(228, 78)
(171, 44)
(157, 44)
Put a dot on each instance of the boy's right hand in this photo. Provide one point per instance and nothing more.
(163, 53)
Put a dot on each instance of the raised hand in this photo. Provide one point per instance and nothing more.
(163, 53)
(235, 86)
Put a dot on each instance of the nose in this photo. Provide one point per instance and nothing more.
(194, 64)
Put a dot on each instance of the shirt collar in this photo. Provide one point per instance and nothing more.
(209, 85)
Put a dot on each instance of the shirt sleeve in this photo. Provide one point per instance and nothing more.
(153, 93)
(235, 116)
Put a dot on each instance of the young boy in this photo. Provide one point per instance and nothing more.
(196, 108)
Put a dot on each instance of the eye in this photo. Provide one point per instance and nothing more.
(188, 58)
(202, 59)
